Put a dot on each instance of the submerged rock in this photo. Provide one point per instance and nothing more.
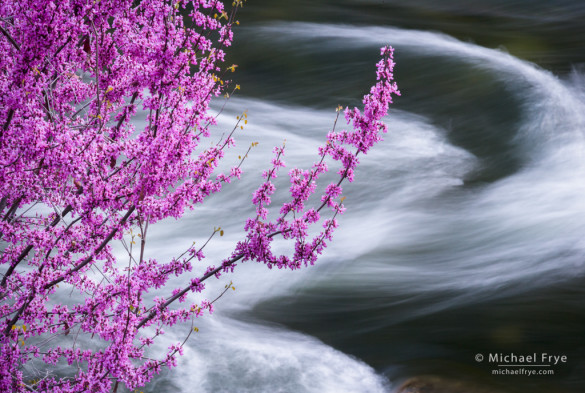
(431, 384)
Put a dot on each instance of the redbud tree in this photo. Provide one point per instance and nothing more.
(77, 173)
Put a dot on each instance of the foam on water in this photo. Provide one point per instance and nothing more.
(234, 356)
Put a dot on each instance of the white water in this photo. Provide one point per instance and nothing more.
(412, 226)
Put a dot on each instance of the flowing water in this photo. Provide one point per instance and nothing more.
(464, 230)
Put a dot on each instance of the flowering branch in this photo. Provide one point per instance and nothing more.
(77, 173)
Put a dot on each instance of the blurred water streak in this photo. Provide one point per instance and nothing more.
(464, 228)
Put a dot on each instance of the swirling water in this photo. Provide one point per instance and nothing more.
(464, 230)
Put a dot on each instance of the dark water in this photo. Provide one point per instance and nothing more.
(464, 231)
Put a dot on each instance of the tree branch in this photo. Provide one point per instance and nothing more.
(9, 37)
(185, 290)
(25, 252)
(89, 258)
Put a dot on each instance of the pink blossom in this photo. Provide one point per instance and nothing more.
(72, 77)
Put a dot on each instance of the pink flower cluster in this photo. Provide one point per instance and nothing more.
(295, 217)
(77, 174)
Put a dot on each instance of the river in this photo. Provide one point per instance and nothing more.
(464, 230)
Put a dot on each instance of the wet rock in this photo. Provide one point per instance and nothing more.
(431, 384)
